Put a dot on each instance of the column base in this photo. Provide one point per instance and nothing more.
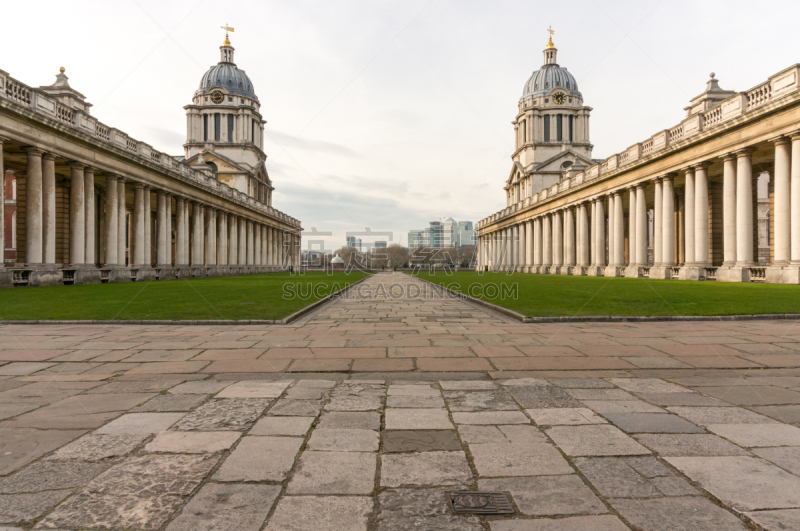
(6, 278)
(143, 273)
(198, 271)
(555, 270)
(213, 271)
(183, 271)
(544, 269)
(634, 272)
(612, 271)
(661, 272)
(81, 274)
(788, 274)
(733, 274)
(578, 271)
(692, 272)
(595, 271)
(165, 272)
(114, 274)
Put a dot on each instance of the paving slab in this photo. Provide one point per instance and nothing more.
(290, 426)
(254, 389)
(481, 434)
(548, 495)
(788, 414)
(777, 520)
(494, 400)
(682, 399)
(192, 442)
(542, 396)
(224, 414)
(201, 387)
(647, 385)
(518, 459)
(140, 423)
(343, 440)
(652, 423)
(321, 513)
(753, 395)
(330, 473)
(571, 523)
(20, 446)
(522, 433)
(705, 416)
(688, 445)
(50, 475)
(581, 383)
(395, 441)
(359, 420)
(412, 390)
(638, 477)
(404, 509)
(28, 507)
(598, 440)
(80, 411)
(744, 483)
(491, 417)
(94, 447)
(786, 457)
(621, 406)
(260, 459)
(418, 419)
(424, 469)
(354, 403)
(229, 507)
(468, 385)
(691, 513)
(296, 408)
(750, 435)
(600, 394)
(564, 416)
(415, 402)
(163, 403)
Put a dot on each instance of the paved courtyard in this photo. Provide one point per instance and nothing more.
(363, 415)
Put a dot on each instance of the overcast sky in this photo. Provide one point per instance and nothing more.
(390, 114)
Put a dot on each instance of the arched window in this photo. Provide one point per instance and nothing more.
(213, 169)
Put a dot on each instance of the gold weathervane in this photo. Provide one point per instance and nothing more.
(227, 29)
(550, 41)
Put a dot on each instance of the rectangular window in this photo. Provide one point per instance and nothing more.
(205, 127)
(253, 131)
(230, 128)
(559, 127)
(570, 128)
(216, 127)
(547, 128)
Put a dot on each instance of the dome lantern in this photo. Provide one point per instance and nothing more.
(550, 50)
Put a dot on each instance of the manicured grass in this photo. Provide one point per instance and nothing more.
(557, 295)
(265, 296)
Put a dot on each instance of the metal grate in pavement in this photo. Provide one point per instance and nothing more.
(475, 502)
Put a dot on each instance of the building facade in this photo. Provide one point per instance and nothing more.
(91, 204)
(442, 234)
(683, 203)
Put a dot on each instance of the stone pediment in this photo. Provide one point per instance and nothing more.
(555, 164)
(223, 163)
(516, 170)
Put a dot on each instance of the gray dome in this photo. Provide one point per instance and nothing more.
(546, 79)
(228, 76)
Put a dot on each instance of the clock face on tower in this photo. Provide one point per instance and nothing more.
(559, 98)
(217, 96)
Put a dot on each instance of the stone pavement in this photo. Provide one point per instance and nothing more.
(366, 413)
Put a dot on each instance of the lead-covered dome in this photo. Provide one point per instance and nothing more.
(547, 78)
(230, 77)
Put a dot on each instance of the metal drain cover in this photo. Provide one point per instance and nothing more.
(476, 502)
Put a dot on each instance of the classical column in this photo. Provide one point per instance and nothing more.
(507, 242)
(270, 254)
(641, 225)
(138, 225)
(729, 213)
(33, 207)
(211, 237)
(658, 222)
(264, 244)
(583, 236)
(2, 203)
(233, 240)
(600, 232)
(91, 219)
(49, 208)
(222, 235)
(523, 251)
(744, 209)
(689, 218)
(250, 244)
(169, 230)
(148, 229)
(701, 215)
(77, 215)
(668, 223)
(197, 234)
(112, 222)
(163, 226)
(538, 250)
(619, 230)
(242, 240)
(795, 194)
(121, 225)
(257, 243)
(611, 230)
(558, 242)
(547, 241)
(569, 237)
(180, 228)
(529, 245)
(783, 206)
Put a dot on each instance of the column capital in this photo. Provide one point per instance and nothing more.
(669, 176)
(111, 176)
(32, 150)
(163, 193)
(138, 185)
(76, 164)
(795, 136)
(700, 166)
(745, 152)
(778, 140)
(48, 156)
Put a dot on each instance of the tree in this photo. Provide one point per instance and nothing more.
(466, 255)
(397, 254)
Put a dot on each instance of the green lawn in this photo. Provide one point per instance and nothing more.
(265, 296)
(557, 295)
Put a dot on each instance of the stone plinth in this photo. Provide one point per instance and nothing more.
(85, 274)
(578, 271)
(183, 271)
(144, 273)
(45, 275)
(595, 271)
(197, 272)
(612, 271)
(692, 272)
(660, 273)
(165, 272)
(634, 272)
(789, 274)
(116, 274)
(733, 274)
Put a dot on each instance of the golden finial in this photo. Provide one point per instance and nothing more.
(227, 29)
(550, 41)
(62, 69)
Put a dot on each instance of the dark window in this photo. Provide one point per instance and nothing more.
(559, 127)
(230, 128)
(230, 99)
(253, 131)
(216, 127)
(213, 169)
(570, 128)
(547, 128)
(205, 127)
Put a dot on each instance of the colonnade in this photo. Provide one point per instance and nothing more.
(112, 240)
(597, 234)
